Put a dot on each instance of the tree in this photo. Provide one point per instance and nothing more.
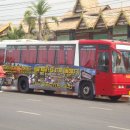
(47, 33)
(39, 9)
(30, 20)
(16, 33)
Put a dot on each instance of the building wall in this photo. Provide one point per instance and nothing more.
(120, 32)
(116, 33)
(100, 35)
(82, 36)
(62, 36)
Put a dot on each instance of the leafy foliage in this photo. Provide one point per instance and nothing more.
(16, 33)
(39, 9)
(30, 20)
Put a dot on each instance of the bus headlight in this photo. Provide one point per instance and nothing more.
(121, 86)
(118, 86)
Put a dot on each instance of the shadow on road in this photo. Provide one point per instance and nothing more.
(99, 99)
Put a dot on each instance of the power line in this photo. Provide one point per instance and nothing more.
(22, 3)
(19, 4)
(29, 2)
(16, 3)
(19, 18)
(67, 8)
(64, 8)
(3, 0)
(25, 6)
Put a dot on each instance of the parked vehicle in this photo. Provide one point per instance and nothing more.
(86, 68)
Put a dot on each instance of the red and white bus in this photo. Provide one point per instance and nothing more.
(86, 68)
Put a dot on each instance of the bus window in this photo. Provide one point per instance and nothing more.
(12, 54)
(24, 54)
(60, 55)
(103, 47)
(2, 56)
(28, 54)
(51, 55)
(119, 63)
(42, 55)
(56, 54)
(69, 54)
(87, 56)
(103, 61)
(126, 59)
(32, 54)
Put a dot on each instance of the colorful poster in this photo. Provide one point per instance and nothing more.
(49, 77)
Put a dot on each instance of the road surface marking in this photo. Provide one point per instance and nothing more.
(25, 112)
(34, 100)
(115, 127)
(101, 108)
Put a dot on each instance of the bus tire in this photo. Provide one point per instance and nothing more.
(114, 98)
(86, 91)
(23, 85)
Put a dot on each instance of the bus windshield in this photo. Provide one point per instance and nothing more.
(121, 62)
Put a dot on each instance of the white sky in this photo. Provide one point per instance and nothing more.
(13, 10)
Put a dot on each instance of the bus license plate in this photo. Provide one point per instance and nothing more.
(129, 92)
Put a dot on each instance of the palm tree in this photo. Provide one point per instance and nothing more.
(39, 9)
(46, 29)
(30, 20)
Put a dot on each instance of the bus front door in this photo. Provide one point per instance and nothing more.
(102, 78)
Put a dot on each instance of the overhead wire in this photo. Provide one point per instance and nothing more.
(22, 3)
(104, 3)
(19, 3)
(62, 9)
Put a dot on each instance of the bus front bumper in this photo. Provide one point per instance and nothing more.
(123, 89)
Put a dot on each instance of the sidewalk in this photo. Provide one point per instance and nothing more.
(10, 88)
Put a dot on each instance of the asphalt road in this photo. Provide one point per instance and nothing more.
(43, 112)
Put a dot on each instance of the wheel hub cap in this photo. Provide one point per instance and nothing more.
(86, 90)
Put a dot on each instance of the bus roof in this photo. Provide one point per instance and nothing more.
(21, 40)
(37, 42)
(112, 43)
(107, 42)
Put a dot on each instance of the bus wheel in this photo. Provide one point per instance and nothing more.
(115, 98)
(23, 85)
(86, 91)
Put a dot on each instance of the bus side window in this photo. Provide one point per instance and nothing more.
(51, 54)
(60, 55)
(2, 56)
(103, 61)
(87, 56)
(12, 54)
(69, 51)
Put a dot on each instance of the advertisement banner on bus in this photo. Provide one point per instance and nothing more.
(49, 76)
